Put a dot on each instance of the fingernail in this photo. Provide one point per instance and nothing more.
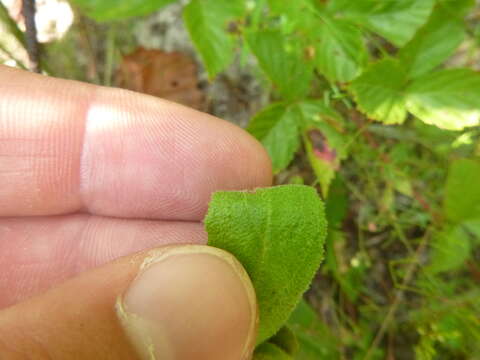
(190, 302)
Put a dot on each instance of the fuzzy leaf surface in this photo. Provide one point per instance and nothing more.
(278, 235)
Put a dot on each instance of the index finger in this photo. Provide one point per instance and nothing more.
(67, 147)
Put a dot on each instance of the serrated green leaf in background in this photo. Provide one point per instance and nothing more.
(456, 8)
(276, 127)
(395, 20)
(462, 192)
(315, 338)
(269, 351)
(324, 142)
(434, 42)
(285, 339)
(207, 22)
(278, 235)
(450, 249)
(283, 62)
(340, 49)
(380, 92)
(106, 10)
(449, 99)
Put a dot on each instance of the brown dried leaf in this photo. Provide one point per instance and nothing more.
(171, 76)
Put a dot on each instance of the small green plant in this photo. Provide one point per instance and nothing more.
(278, 234)
(376, 104)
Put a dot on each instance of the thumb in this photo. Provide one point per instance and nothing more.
(177, 302)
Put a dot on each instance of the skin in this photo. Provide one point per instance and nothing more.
(88, 177)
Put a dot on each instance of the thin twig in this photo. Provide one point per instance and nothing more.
(28, 11)
(399, 296)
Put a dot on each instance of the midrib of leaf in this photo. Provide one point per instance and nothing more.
(266, 237)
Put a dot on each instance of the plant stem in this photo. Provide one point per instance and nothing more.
(110, 55)
(399, 296)
(31, 43)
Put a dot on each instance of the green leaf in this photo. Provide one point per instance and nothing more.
(269, 351)
(379, 92)
(395, 20)
(293, 9)
(278, 235)
(340, 50)
(277, 128)
(449, 99)
(315, 338)
(282, 61)
(285, 339)
(324, 142)
(451, 248)
(433, 43)
(105, 10)
(462, 193)
(207, 22)
(456, 8)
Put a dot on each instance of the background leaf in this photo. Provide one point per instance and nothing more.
(315, 338)
(269, 351)
(451, 248)
(207, 22)
(462, 193)
(277, 128)
(323, 140)
(449, 99)
(379, 92)
(282, 61)
(340, 49)
(278, 235)
(104, 10)
(434, 42)
(395, 20)
(285, 339)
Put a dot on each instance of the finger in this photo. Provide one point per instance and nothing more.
(37, 253)
(185, 302)
(67, 146)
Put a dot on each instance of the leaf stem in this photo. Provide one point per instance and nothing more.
(399, 297)
(31, 43)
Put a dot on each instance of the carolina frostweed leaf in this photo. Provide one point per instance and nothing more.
(278, 235)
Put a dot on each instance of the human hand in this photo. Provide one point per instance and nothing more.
(90, 176)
